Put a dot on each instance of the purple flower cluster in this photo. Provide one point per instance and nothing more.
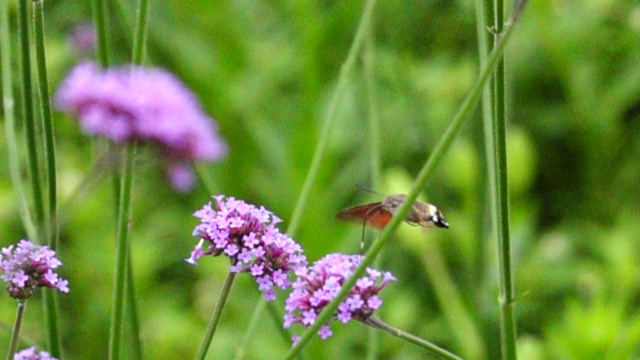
(142, 104)
(30, 354)
(314, 289)
(29, 266)
(248, 236)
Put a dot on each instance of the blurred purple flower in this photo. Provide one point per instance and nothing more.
(30, 354)
(82, 37)
(248, 236)
(314, 289)
(29, 266)
(148, 105)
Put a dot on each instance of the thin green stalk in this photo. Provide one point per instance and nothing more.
(426, 171)
(130, 291)
(330, 119)
(100, 22)
(241, 349)
(132, 313)
(463, 329)
(15, 337)
(8, 103)
(373, 338)
(213, 324)
(500, 201)
(483, 227)
(51, 223)
(29, 119)
(124, 211)
(140, 34)
(432, 348)
(277, 317)
(45, 107)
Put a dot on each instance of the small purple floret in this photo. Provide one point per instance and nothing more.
(29, 266)
(247, 235)
(320, 284)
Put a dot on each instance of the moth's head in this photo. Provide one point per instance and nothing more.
(431, 216)
(438, 219)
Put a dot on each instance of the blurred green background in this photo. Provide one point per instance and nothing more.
(265, 70)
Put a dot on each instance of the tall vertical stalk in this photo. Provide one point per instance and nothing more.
(368, 60)
(17, 325)
(497, 159)
(123, 276)
(45, 110)
(122, 245)
(29, 121)
(50, 224)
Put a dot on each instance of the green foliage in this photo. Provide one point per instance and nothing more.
(266, 71)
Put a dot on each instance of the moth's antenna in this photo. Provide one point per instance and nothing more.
(367, 189)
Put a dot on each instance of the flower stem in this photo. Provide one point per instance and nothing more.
(129, 286)
(132, 313)
(140, 33)
(45, 107)
(497, 158)
(51, 224)
(424, 344)
(124, 210)
(15, 337)
(100, 21)
(426, 171)
(29, 119)
(8, 102)
(373, 338)
(257, 311)
(213, 324)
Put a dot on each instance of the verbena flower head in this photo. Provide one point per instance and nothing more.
(248, 236)
(148, 105)
(30, 354)
(314, 289)
(29, 266)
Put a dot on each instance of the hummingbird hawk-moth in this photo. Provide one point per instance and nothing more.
(378, 214)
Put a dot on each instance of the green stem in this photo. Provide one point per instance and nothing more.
(8, 102)
(49, 302)
(129, 286)
(373, 338)
(45, 108)
(140, 34)
(241, 349)
(424, 344)
(29, 119)
(213, 324)
(132, 312)
(15, 337)
(124, 210)
(277, 317)
(500, 192)
(50, 225)
(100, 22)
(330, 119)
(426, 171)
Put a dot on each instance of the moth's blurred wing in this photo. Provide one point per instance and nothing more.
(372, 213)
